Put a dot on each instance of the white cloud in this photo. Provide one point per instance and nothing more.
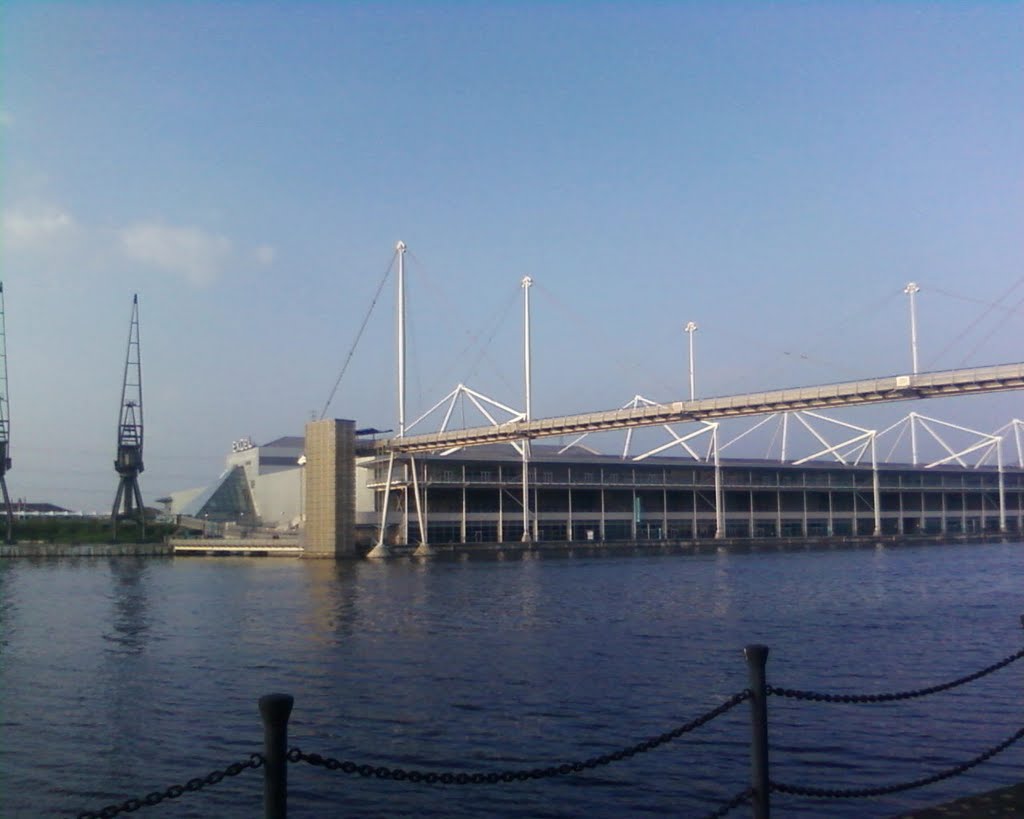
(264, 255)
(38, 228)
(187, 251)
(53, 241)
(6, 120)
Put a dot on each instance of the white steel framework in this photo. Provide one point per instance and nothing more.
(791, 404)
(1000, 377)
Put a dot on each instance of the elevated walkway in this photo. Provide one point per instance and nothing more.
(996, 378)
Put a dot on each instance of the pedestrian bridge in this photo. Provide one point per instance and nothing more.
(1000, 377)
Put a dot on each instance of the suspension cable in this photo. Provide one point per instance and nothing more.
(474, 339)
(989, 307)
(359, 335)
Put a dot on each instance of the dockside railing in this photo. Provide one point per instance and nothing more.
(275, 711)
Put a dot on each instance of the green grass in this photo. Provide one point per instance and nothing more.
(87, 530)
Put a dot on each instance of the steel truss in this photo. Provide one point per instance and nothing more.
(489, 408)
(128, 463)
(1015, 431)
(5, 424)
(787, 406)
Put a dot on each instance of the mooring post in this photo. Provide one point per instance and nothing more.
(757, 658)
(274, 711)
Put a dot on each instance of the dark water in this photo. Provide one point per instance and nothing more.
(121, 676)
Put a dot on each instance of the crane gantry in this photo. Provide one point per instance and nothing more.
(5, 423)
(129, 434)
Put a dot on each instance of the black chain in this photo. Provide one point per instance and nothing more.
(735, 802)
(174, 791)
(832, 793)
(521, 775)
(902, 695)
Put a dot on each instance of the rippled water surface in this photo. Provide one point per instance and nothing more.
(122, 676)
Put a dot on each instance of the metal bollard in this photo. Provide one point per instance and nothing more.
(274, 711)
(757, 658)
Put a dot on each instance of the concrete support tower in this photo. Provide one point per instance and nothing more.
(330, 488)
(128, 464)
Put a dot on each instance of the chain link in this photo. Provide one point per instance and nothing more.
(174, 791)
(735, 802)
(815, 696)
(257, 760)
(857, 793)
(520, 775)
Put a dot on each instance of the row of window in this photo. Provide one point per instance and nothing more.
(584, 531)
(590, 530)
(647, 503)
(455, 473)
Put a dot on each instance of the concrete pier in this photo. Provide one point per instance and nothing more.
(86, 550)
(330, 480)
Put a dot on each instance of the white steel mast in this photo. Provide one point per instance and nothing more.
(911, 290)
(690, 328)
(527, 533)
(400, 249)
(381, 548)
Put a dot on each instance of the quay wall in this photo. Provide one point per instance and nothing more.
(707, 546)
(37, 549)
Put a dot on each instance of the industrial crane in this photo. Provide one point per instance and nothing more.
(129, 434)
(5, 422)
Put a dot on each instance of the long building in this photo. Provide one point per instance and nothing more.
(474, 495)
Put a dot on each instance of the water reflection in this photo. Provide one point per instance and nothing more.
(6, 605)
(130, 624)
(332, 604)
(151, 669)
(721, 600)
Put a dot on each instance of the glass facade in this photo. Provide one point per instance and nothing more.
(600, 498)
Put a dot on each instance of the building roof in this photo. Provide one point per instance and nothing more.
(290, 441)
(37, 508)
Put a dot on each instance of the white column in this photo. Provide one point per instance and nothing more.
(526, 284)
(690, 328)
(1002, 487)
(400, 250)
(913, 438)
(875, 488)
(381, 549)
(719, 511)
(912, 290)
(423, 548)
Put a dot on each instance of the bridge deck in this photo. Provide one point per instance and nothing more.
(878, 390)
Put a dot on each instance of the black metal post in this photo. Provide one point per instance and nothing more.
(757, 658)
(274, 711)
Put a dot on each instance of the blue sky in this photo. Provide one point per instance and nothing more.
(776, 172)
